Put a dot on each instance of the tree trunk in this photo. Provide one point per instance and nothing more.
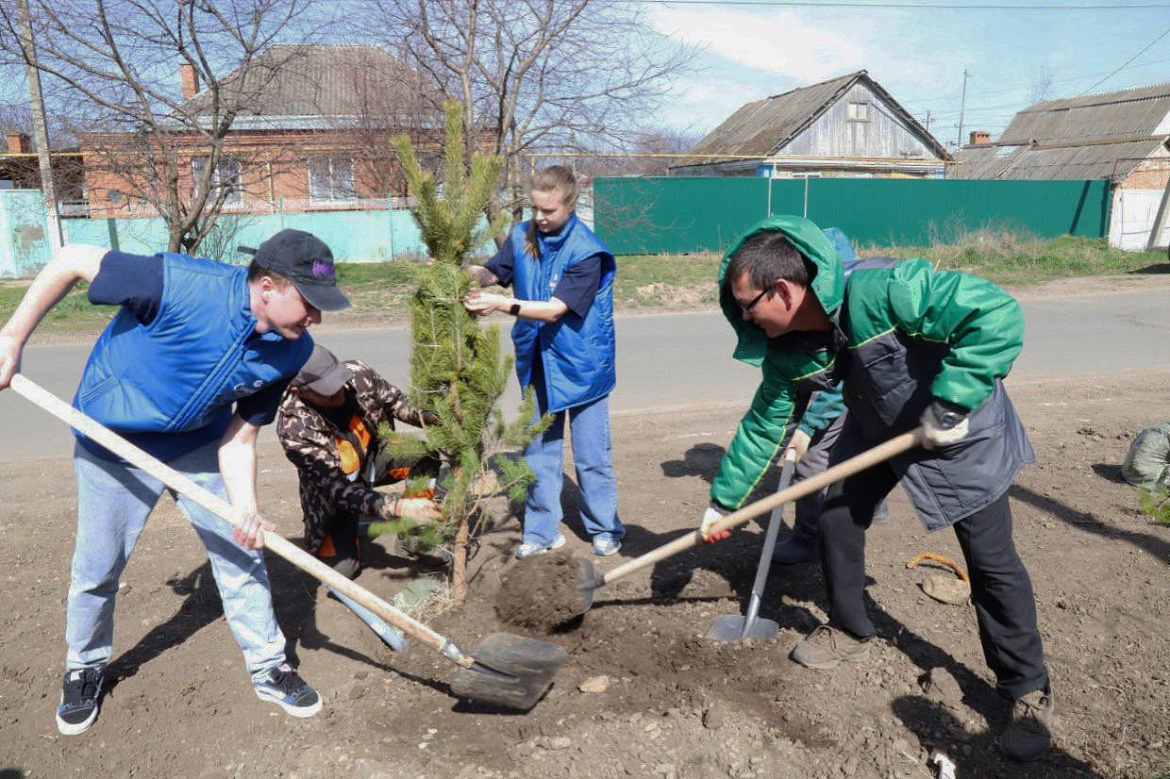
(459, 565)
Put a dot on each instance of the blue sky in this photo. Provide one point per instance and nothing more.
(918, 55)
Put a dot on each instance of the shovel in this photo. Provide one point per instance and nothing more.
(590, 582)
(505, 670)
(732, 627)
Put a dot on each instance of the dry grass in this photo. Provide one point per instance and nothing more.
(1012, 258)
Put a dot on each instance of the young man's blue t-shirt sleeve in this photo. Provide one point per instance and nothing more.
(129, 280)
(576, 288)
(260, 408)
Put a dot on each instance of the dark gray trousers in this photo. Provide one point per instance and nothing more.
(815, 460)
(1000, 588)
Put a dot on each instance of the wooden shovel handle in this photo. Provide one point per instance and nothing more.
(878, 454)
(224, 510)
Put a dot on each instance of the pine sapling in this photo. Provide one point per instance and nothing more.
(457, 367)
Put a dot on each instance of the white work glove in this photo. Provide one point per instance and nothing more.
(798, 445)
(713, 514)
(942, 426)
(418, 509)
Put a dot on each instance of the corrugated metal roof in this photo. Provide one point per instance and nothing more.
(1090, 161)
(322, 80)
(1129, 112)
(763, 127)
(1092, 137)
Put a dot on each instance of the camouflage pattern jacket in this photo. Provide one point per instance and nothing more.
(330, 470)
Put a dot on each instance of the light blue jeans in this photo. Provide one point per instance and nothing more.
(114, 500)
(589, 430)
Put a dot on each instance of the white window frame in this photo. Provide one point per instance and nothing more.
(222, 178)
(338, 186)
(859, 111)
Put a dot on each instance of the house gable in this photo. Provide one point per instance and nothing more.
(861, 124)
(816, 122)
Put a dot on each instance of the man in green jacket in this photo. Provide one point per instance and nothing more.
(912, 346)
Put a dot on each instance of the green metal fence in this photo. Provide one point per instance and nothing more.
(681, 215)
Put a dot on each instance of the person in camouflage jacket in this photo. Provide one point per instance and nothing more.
(910, 345)
(328, 425)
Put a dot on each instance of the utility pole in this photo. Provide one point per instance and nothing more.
(962, 108)
(40, 127)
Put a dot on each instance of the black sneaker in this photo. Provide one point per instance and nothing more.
(80, 692)
(286, 688)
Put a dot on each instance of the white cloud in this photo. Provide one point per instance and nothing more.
(750, 54)
(781, 43)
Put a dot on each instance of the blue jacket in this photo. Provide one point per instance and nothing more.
(169, 386)
(577, 353)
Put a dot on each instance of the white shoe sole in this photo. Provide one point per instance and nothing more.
(67, 729)
(301, 712)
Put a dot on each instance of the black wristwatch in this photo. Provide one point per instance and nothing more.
(515, 309)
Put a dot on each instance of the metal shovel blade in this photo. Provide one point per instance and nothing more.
(510, 671)
(732, 627)
(588, 584)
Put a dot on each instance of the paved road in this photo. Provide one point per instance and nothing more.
(683, 360)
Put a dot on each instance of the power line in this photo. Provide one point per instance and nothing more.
(1020, 86)
(1131, 59)
(903, 6)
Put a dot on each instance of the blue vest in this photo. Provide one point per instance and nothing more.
(576, 353)
(169, 386)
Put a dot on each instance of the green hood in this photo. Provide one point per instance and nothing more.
(828, 284)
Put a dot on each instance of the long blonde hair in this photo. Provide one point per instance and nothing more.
(546, 180)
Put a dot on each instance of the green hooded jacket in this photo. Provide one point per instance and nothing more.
(902, 334)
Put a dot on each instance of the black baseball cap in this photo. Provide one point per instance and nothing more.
(307, 262)
(323, 373)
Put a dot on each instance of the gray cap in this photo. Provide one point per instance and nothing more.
(323, 373)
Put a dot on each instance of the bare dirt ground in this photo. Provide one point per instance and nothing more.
(676, 704)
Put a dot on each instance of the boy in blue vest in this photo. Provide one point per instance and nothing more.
(193, 338)
(562, 277)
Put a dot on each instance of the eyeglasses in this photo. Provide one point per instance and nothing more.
(748, 308)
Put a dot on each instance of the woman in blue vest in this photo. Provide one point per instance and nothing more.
(562, 278)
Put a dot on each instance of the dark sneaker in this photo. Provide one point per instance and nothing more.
(1029, 734)
(285, 687)
(827, 647)
(80, 692)
(797, 548)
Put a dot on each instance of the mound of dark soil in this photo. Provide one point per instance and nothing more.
(540, 593)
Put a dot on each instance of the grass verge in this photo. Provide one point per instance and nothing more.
(380, 291)
(1014, 260)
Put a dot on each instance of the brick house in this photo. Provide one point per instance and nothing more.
(314, 135)
(19, 168)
